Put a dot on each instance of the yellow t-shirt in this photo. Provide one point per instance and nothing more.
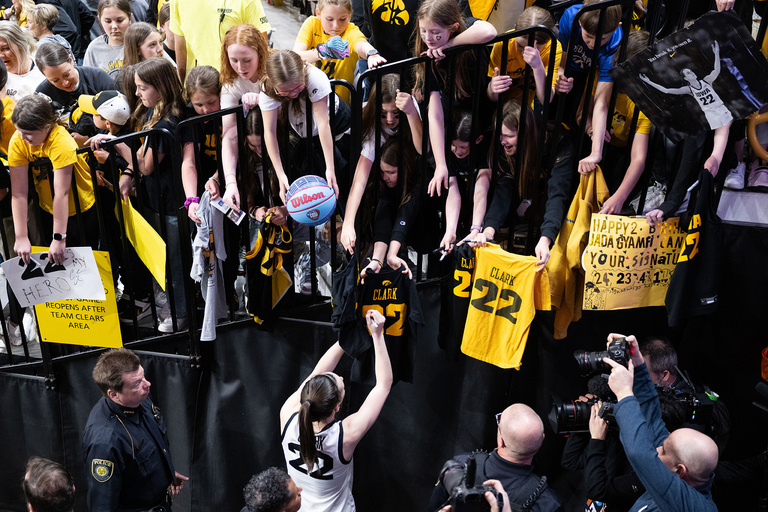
(61, 149)
(622, 119)
(312, 34)
(200, 23)
(505, 295)
(6, 125)
(516, 64)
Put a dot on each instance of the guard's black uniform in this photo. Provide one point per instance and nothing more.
(127, 457)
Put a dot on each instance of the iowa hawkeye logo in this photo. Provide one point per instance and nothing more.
(391, 11)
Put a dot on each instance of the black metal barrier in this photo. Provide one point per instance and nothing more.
(138, 332)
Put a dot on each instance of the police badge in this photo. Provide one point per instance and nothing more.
(102, 469)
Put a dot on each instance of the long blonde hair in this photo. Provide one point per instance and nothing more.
(20, 41)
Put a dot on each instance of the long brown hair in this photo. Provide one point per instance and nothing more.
(247, 35)
(160, 74)
(390, 83)
(406, 171)
(319, 398)
(285, 66)
(444, 13)
(134, 37)
(254, 125)
(523, 162)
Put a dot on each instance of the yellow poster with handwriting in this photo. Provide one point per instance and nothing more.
(628, 263)
(93, 323)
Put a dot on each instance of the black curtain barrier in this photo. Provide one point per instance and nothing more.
(223, 417)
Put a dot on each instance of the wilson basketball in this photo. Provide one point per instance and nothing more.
(310, 200)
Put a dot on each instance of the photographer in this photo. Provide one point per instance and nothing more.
(492, 502)
(676, 469)
(519, 437)
(608, 476)
(661, 358)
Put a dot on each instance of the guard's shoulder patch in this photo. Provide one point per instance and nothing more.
(102, 469)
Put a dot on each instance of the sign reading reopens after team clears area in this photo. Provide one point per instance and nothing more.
(81, 321)
(42, 280)
(628, 263)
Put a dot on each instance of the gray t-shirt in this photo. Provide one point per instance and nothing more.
(101, 55)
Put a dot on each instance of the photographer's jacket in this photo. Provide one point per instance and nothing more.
(642, 431)
(518, 480)
(127, 457)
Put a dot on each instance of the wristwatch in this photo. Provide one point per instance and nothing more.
(59, 236)
(372, 52)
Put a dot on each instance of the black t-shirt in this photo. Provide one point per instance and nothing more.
(455, 290)
(210, 132)
(91, 81)
(391, 27)
(394, 295)
(161, 180)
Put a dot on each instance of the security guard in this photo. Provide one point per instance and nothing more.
(127, 454)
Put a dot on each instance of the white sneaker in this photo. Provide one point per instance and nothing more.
(14, 334)
(735, 178)
(166, 325)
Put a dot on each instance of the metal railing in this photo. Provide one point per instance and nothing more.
(139, 332)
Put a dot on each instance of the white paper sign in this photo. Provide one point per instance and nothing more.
(43, 281)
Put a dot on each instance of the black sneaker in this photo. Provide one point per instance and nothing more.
(126, 312)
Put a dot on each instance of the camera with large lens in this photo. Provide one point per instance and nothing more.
(618, 350)
(573, 415)
(458, 479)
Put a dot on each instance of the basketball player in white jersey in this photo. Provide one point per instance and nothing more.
(318, 447)
(711, 104)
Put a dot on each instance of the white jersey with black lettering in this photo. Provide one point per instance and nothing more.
(712, 105)
(328, 488)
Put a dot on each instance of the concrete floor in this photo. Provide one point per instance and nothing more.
(285, 24)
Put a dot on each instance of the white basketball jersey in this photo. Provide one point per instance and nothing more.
(328, 488)
(716, 112)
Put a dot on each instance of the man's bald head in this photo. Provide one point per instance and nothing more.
(521, 433)
(690, 454)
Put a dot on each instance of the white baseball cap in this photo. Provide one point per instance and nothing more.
(111, 105)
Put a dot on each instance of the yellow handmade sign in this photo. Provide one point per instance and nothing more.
(628, 263)
(83, 322)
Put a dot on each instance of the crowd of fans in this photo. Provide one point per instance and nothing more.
(475, 174)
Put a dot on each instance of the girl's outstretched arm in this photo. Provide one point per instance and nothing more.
(273, 149)
(437, 139)
(320, 111)
(356, 191)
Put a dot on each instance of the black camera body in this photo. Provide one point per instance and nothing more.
(573, 415)
(618, 350)
(458, 479)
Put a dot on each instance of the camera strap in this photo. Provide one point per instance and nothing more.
(533, 488)
(528, 503)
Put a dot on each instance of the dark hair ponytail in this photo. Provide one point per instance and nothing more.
(34, 112)
(319, 397)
